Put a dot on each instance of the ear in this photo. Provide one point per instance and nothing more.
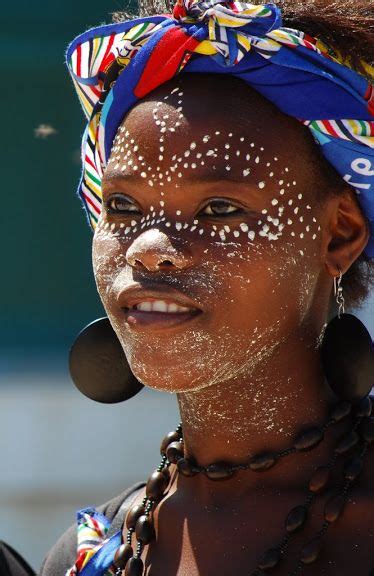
(347, 233)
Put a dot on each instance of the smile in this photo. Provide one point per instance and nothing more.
(157, 307)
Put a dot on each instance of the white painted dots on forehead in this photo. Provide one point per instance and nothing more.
(284, 215)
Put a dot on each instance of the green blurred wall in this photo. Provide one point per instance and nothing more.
(47, 291)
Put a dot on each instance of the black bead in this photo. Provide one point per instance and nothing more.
(308, 439)
(311, 551)
(219, 471)
(98, 365)
(122, 556)
(144, 530)
(133, 514)
(319, 479)
(367, 430)
(166, 472)
(340, 411)
(169, 438)
(262, 461)
(296, 519)
(187, 468)
(348, 358)
(156, 485)
(174, 452)
(270, 559)
(347, 442)
(334, 507)
(353, 468)
(363, 408)
(134, 567)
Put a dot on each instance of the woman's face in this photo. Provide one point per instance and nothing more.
(209, 204)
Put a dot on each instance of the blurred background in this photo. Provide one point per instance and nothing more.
(59, 451)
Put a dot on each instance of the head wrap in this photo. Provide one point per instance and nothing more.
(116, 65)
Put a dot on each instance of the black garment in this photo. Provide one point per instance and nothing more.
(11, 563)
(64, 553)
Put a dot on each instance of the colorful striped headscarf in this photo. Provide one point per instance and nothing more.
(116, 65)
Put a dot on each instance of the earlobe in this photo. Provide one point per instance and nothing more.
(347, 234)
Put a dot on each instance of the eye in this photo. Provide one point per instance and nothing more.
(120, 204)
(220, 208)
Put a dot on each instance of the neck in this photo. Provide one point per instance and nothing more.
(237, 419)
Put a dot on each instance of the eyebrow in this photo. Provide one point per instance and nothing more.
(211, 177)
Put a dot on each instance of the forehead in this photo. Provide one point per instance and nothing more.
(210, 127)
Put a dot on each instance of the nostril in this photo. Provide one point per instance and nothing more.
(166, 263)
(139, 263)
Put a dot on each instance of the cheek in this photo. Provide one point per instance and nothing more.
(108, 258)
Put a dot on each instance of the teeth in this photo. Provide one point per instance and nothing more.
(160, 306)
(144, 306)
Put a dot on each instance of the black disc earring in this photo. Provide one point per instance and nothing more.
(347, 353)
(98, 365)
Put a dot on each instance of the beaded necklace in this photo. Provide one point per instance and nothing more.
(353, 446)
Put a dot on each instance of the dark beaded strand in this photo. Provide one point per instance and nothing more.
(335, 505)
(295, 520)
(139, 519)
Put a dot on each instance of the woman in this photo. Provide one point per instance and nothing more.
(223, 158)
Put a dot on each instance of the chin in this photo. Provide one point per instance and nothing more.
(165, 377)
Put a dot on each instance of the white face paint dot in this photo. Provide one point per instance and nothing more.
(206, 138)
(261, 184)
(246, 171)
(257, 159)
(150, 182)
(244, 227)
(274, 202)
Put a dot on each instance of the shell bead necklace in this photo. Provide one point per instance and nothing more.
(352, 446)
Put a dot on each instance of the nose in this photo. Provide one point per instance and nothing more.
(154, 251)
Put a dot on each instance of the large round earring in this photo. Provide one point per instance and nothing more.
(98, 365)
(347, 353)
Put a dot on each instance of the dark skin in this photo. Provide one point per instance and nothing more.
(245, 369)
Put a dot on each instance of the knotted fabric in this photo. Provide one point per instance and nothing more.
(114, 66)
(95, 550)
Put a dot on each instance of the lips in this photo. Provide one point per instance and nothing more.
(156, 307)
